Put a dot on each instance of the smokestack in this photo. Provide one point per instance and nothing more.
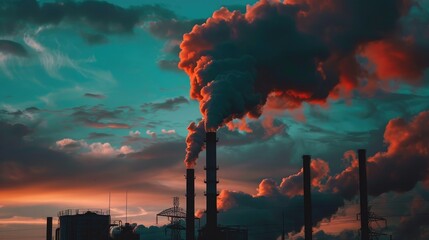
(308, 222)
(49, 228)
(363, 189)
(211, 188)
(190, 204)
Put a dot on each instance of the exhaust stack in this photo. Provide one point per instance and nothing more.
(211, 185)
(363, 190)
(190, 204)
(49, 228)
(308, 222)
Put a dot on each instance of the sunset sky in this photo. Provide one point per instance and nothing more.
(96, 97)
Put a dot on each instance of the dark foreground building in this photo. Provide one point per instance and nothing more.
(124, 232)
(83, 225)
(225, 233)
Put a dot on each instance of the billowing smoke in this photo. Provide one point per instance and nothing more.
(297, 51)
(400, 168)
(194, 143)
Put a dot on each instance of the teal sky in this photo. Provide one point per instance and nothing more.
(88, 107)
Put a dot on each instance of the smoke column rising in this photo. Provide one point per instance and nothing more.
(298, 52)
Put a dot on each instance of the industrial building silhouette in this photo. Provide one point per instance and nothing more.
(97, 225)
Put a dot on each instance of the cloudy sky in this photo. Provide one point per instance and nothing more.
(96, 97)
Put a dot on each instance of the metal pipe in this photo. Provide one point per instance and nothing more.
(49, 228)
(308, 222)
(363, 190)
(211, 186)
(190, 204)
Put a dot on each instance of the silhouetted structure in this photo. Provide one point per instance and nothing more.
(363, 190)
(83, 225)
(374, 219)
(190, 204)
(226, 233)
(49, 228)
(124, 232)
(308, 222)
(174, 214)
(211, 186)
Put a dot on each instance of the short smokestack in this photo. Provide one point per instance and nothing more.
(211, 186)
(308, 222)
(49, 228)
(363, 190)
(190, 204)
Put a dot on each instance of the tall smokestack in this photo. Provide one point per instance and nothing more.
(363, 189)
(308, 222)
(49, 228)
(190, 204)
(211, 189)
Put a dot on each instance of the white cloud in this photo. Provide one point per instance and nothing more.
(171, 131)
(53, 61)
(151, 133)
(31, 42)
(126, 149)
(96, 149)
(135, 134)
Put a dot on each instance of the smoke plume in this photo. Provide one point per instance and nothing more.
(296, 51)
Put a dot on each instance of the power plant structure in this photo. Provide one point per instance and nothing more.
(190, 204)
(211, 186)
(76, 224)
(308, 222)
(96, 224)
(211, 231)
(123, 232)
(49, 228)
(363, 195)
(174, 214)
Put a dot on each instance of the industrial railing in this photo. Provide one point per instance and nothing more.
(69, 212)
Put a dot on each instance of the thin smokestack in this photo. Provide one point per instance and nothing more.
(308, 222)
(49, 228)
(363, 188)
(190, 204)
(211, 186)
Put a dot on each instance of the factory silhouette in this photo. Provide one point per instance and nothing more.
(98, 225)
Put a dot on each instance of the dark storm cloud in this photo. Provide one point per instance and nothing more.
(171, 104)
(414, 225)
(12, 48)
(265, 212)
(94, 95)
(99, 117)
(27, 164)
(18, 113)
(400, 168)
(100, 16)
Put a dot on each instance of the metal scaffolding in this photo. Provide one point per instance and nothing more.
(375, 224)
(174, 215)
